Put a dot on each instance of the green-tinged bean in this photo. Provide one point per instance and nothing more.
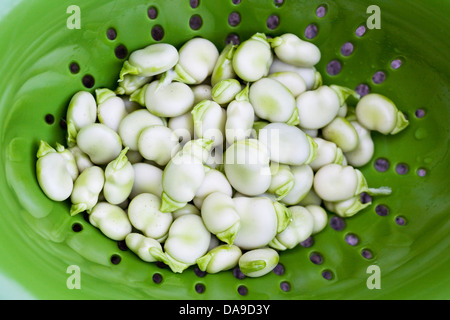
(187, 241)
(247, 166)
(258, 262)
(184, 174)
(221, 258)
(334, 182)
(365, 149)
(220, 216)
(293, 50)
(131, 83)
(260, 220)
(110, 108)
(317, 108)
(224, 65)
(327, 152)
(202, 92)
(310, 198)
(320, 217)
(303, 181)
(158, 143)
(287, 144)
(239, 118)
(167, 98)
(291, 80)
(131, 126)
(86, 190)
(252, 58)
(147, 179)
(347, 208)
(101, 143)
(111, 220)
(273, 102)
(82, 159)
(187, 209)
(150, 61)
(300, 228)
(198, 58)
(119, 179)
(342, 133)
(144, 215)
(225, 91)
(183, 127)
(209, 121)
(130, 106)
(71, 163)
(282, 180)
(214, 181)
(141, 245)
(82, 110)
(376, 112)
(54, 173)
(312, 78)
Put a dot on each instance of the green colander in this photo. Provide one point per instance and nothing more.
(398, 248)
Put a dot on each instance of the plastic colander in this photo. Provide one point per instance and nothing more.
(400, 244)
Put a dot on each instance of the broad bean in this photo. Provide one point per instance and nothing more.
(158, 143)
(293, 50)
(119, 179)
(223, 257)
(141, 245)
(224, 65)
(111, 220)
(258, 262)
(240, 117)
(87, 189)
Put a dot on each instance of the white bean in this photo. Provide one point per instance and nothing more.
(293, 50)
(144, 215)
(291, 80)
(183, 127)
(86, 190)
(150, 61)
(377, 112)
(111, 220)
(272, 101)
(287, 144)
(214, 181)
(258, 262)
(342, 133)
(311, 76)
(119, 179)
(131, 83)
(131, 126)
(209, 121)
(220, 216)
(252, 58)
(82, 159)
(198, 58)
(240, 118)
(303, 181)
(187, 209)
(347, 208)
(365, 149)
(82, 110)
(224, 65)
(147, 179)
(223, 257)
(101, 143)
(158, 143)
(282, 180)
(53, 176)
(225, 91)
(327, 152)
(247, 166)
(111, 108)
(141, 245)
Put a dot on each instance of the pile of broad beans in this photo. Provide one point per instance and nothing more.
(217, 159)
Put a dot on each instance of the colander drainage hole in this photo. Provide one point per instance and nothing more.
(334, 67)
(316, 258)
(337, 223)
(195, 22)
(311, 31)
(366, 254)
(347, 49)
(402, 168)
(242, 290)
(152, 13)
(111, 34)
(307, 243)
(352, 239)
(194, 3)
(362, 89)
(401, 221)
(420, 113)
(49, 118)
(115, 259)
(421, 172)
(236, 1)
(382, 210)
(74, 67)
(279, 269)
(157, 278)
(395, 64)
(234, 19)
(88, 81)
(327, 274)
(122, 245)
(121, 51)
(360, 31)
(232, 38)
(199, 273)
(157, 33)
(273, 22)
(237, 273)
(200, 288)
(321, 11)
(381, 164)
(77, 227)
(285, 286)
(378, 77)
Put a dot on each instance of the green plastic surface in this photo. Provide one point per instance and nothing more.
(37, 243)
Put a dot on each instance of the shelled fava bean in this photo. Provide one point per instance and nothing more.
(217, 158)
